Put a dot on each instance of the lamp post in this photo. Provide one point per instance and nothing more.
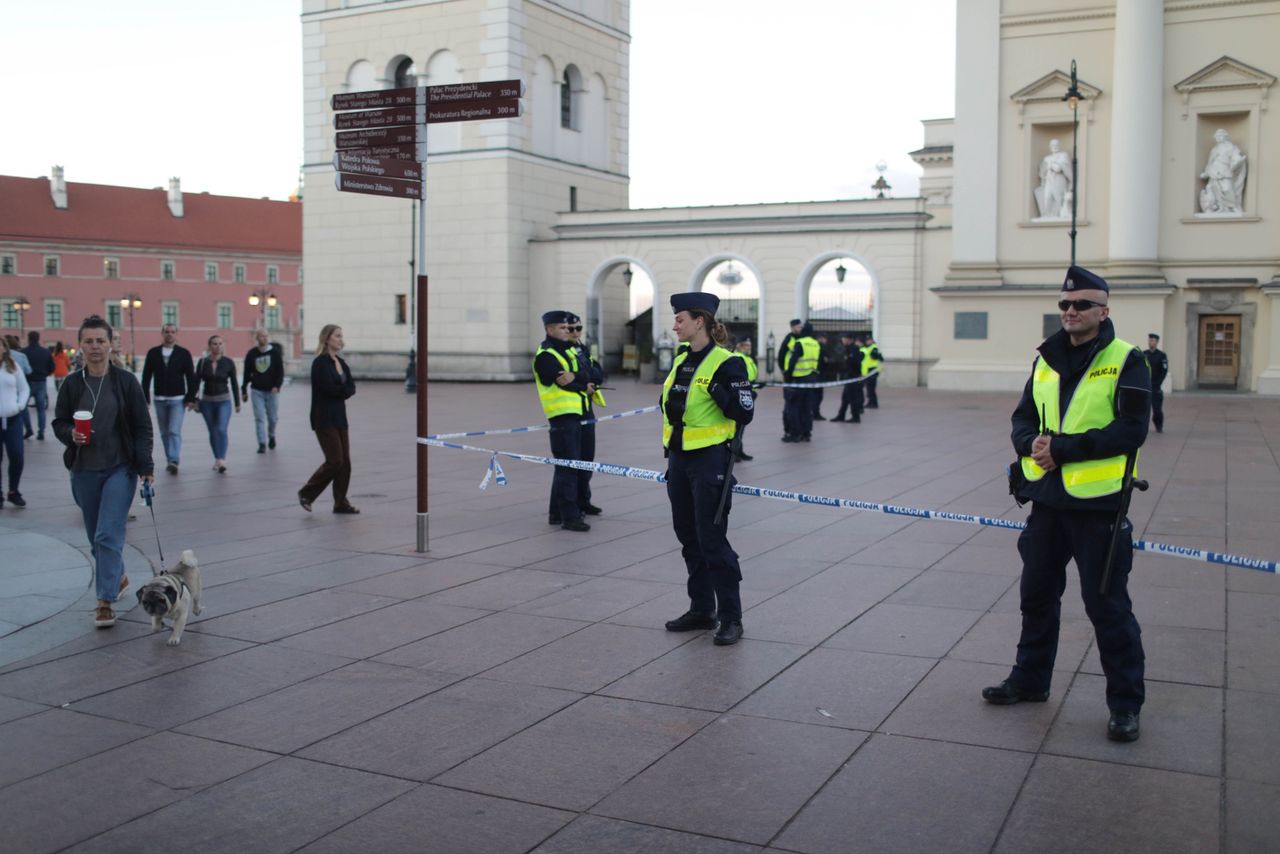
(261, 298)
(1073, 99)
(21, 307)
(132, 302)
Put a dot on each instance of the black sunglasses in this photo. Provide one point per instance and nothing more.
(1079, 304)
(575, 328)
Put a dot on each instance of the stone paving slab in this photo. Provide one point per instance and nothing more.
(512, 690)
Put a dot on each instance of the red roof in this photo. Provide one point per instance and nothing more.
(126, 216)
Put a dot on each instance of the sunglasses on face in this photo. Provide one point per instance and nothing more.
(1079, 304)
(574, 328)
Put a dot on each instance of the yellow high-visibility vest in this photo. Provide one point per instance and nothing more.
(808, 362)
(753, 370)
(557, 400)
(704, 424)
(869, 364)
(1092, 406)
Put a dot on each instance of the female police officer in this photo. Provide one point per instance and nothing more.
(704, 398)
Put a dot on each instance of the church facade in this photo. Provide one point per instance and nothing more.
(1172, 191)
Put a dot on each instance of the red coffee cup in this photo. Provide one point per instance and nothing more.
(83, 423)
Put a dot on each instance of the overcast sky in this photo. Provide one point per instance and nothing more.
(726, 108)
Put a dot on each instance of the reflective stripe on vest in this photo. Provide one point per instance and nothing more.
(1092, 406)
(752, 370)
(869, 364)
(556, 400)
(808, 362)
(704, 424)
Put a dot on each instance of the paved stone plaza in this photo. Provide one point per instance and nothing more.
(513, 690)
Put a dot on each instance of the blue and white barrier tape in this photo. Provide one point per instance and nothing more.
(536, 427)
(863, 378)
(1202, 555)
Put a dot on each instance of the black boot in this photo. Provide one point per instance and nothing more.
(729, 633)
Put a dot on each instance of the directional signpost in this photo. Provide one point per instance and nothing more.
(381, 150)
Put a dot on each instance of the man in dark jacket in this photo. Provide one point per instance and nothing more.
(174, 374)
(106, 459)
(1159, 364)
(851, 394)
(263, 377)
(1077, 429)
(564, 388)
(41, 367)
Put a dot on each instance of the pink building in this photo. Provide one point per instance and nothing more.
(211, 264)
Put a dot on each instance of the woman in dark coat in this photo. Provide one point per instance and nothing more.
(331, 385)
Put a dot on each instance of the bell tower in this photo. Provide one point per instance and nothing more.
(492, 186)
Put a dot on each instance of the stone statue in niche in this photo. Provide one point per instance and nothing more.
(1053, 196)
(1224, 174)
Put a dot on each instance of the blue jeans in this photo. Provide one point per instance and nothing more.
(104, 498)
(266, 408)
(169, 415)
(11, 441)
(40, 393)
(217, 414)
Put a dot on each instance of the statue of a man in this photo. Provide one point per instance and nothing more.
(1224, 173)
(1056, 183)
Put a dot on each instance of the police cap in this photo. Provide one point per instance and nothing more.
(550, 318)
(695, 300)
(1080, 279)
(1153, 335)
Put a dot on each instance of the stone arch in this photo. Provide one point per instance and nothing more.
(571, 86)
(595, 287)
(441, 69)
(362, 76)
(704, 266)
(545, 106)
(805, 281)
(595, 123)
(392, 69)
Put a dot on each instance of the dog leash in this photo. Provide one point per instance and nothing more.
(148, 493)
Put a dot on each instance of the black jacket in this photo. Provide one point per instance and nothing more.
(329, 392)
(133, 421)
(272, 377)
(176, 378)
(41, 363)
(219, 378)
(729, 388)
(1124, 435)
(1159, 364)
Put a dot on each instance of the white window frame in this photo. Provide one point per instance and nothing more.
(114, 313)
(164, 306)
(169, 266)
(272, 316)
(273, 274)
(61, 306)
(238, 274)
(231, 315)
(108, 271)
(12, 260)
(211, 271)
(8, 314)
(57, 265)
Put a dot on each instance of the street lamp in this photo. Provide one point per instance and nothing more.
(263, 298)
(626, 276)
(21, 306)
(132, 302)
(1073, 99)
(840, 274)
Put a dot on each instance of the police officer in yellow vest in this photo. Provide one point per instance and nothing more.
(1083, 411)
(871, 367)
(564, 387)
(705, 397)
(742, 349)
(801, 366)
(587, 447)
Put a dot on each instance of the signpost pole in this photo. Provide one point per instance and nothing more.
(424, 539)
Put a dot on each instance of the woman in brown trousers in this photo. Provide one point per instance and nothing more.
(331, 385)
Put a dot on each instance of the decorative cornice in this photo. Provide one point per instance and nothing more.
(1225, 74)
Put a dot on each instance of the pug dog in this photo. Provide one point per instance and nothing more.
(173, 594)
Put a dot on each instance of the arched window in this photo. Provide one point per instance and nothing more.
(406, 74)
(570, 93)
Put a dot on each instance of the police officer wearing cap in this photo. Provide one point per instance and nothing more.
(595, 375)
(564, 388)
(871, 359)
(851, 393)
(742, 349)
(705, 398)
(1159, 364)
(1083, 412)
(800, 367)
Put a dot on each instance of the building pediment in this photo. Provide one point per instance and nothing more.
(1052, 87)
(1225, 73)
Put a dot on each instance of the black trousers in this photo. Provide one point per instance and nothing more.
(695, 480)
(1051, 539)
(335, 469)
(816, 400)
(851, 399)
(566, 444)
(797, 410)
(586, 451)
(872, 400)
(1157, 408)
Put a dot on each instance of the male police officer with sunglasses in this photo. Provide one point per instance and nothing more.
(1083, 413)
(564, 389)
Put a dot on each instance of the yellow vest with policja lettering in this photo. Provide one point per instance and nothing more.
(1092, 406)
(704, 423)
(557, 400)
(808, 362)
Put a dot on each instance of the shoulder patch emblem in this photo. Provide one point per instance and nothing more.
(746, 400)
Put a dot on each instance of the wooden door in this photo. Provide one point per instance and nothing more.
(1219, 350)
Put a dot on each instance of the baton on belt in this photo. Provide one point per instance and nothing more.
(735, 447)
(1127, 485)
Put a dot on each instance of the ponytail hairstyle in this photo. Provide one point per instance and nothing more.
(715, 329)
(6, 360)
